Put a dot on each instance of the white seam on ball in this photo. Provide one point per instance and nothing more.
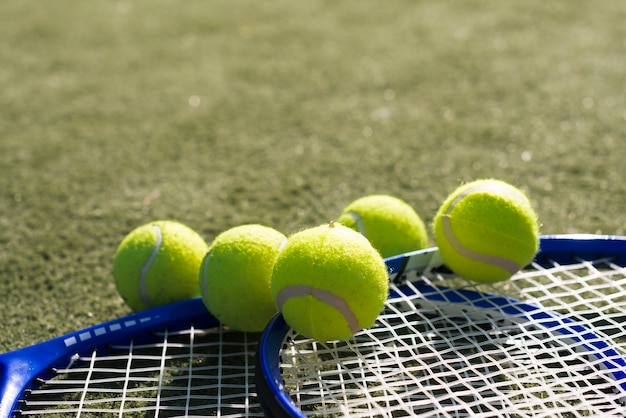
(282, 245)
(204, 281)
(143, 292)
(359, 222)
(501, 262)
(504, 263)
(322, 295)
(494, 189)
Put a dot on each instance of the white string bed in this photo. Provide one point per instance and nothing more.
(193, 372)
(441, 359)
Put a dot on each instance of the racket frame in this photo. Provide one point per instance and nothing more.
(277, 402)
(27, 368)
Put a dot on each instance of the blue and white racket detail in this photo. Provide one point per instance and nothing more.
(551, 341)
(174, 360)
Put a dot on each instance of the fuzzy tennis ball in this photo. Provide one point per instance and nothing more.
(235, 276)
(329, 282)
(390, 224)
(158, 263)
(487, 230)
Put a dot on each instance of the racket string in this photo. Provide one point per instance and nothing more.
(162, 366)
(184, 373)
(468, 361)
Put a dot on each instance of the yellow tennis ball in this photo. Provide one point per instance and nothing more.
(235, 276)
(158, 263)
(390, 224)
(329, 282)
(487, 230)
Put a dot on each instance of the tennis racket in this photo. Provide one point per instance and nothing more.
(174, 360)
(446, 347)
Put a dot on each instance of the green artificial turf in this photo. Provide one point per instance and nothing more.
(219, 113)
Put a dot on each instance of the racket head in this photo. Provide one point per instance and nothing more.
(428, 289)
(187, 325)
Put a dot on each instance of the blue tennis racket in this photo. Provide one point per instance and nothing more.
(175, 360)
(446, 347)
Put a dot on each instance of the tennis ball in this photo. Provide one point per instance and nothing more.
(390, 224)
(158, 263)
(486, 230)
(329, 282)
(235, 276)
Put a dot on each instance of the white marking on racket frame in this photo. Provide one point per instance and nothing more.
(70, 341)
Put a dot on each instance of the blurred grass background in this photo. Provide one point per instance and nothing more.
(117, 113)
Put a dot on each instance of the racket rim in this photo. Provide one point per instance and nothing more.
(592, 246)
(25, 368)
